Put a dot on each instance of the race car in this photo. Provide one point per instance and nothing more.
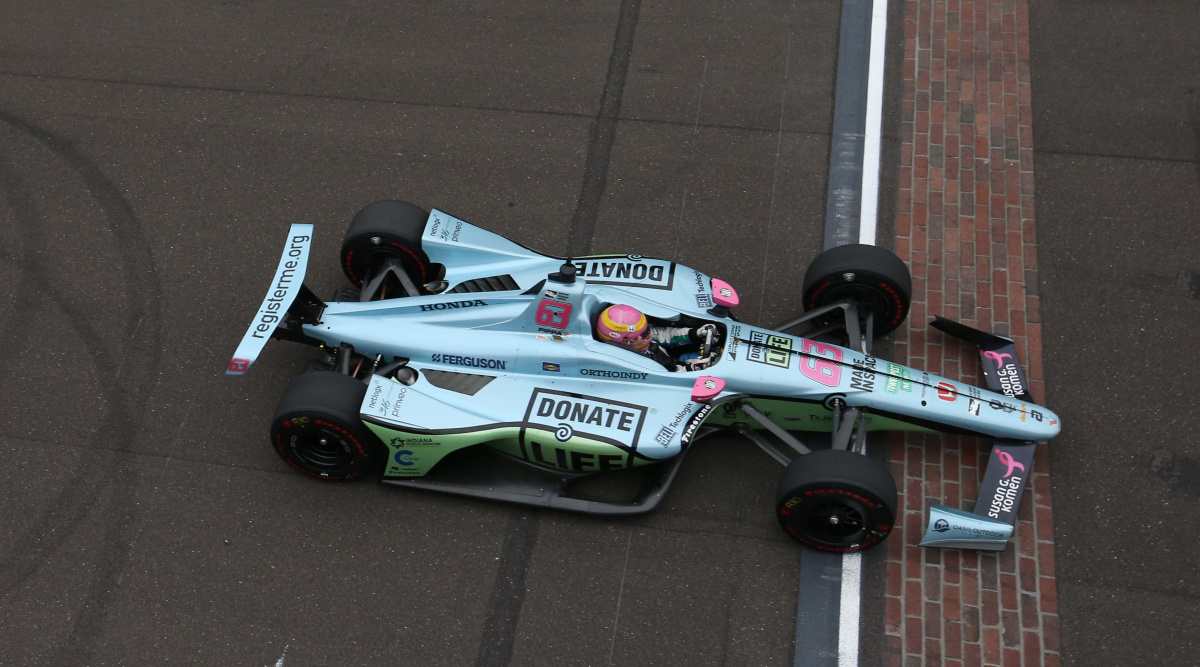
(463, 362)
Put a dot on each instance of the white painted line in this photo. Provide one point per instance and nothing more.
(851, 604)
(873, 132)
(849, 612)
(279, 662)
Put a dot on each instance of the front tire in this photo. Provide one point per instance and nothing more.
(874, 278)
(316, 428)
(383, 230)
(835, 500)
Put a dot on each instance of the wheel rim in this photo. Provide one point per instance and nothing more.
(835, 521)
(361, 261)
(320, 451)
(869, 294)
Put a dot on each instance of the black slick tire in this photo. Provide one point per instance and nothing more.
(382, 230)
(835, 500)
(316, 428)
(876, 279)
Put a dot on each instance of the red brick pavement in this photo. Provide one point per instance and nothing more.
(966, 227)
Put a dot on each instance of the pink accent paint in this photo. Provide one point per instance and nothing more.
(724, 294)
(1007, 460)
(554, 314)
(706, 388)
(997, 357)
(815, 368)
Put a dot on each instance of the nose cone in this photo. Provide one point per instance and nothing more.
(1050, 422)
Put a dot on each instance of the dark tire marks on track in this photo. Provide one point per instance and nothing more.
(125, 361)
(603, 133)
(508, 589)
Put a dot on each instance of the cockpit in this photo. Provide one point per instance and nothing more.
(681, 344)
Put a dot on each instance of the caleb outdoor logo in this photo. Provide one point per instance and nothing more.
(426, 307)
(592, 417)
(632, 270)
(946, 392)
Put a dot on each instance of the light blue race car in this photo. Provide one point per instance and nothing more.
(466, 363)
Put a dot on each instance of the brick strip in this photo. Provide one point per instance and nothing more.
(966, 227)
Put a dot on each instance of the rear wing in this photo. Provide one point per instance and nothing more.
(288, 302)
(990, 525)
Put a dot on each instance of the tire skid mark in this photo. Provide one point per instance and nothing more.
(603, 133)
(508, 588)
(79, 495)
(129, 372)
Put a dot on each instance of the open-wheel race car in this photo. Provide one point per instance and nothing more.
(463, 362)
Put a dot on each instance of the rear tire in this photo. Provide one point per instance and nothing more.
(835, 500)
(382, 230)
(874, 278)
(316, 428)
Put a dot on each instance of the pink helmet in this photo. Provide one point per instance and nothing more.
(624, 325)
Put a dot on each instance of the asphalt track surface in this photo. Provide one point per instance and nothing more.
(152, 157)
(1116, 102)
(152, 154)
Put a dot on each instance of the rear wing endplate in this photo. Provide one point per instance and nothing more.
(286, 286)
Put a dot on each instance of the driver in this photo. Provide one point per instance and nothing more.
(670, 346)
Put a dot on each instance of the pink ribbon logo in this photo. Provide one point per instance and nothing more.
(997, 357)
(1007, 460)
